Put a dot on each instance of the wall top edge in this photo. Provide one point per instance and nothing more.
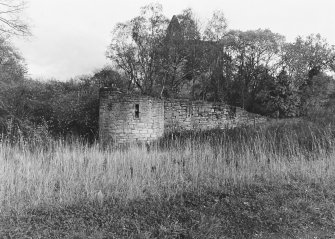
(105, 91)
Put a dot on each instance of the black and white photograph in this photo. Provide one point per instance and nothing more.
(167, 119)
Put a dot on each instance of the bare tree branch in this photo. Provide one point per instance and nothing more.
(11, 18)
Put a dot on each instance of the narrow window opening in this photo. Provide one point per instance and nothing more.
(232, 112)
(137, 111)
(189, 110)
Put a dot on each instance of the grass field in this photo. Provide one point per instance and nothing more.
(274, 181)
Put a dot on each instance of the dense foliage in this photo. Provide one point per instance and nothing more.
(60, 109)
(256, 69)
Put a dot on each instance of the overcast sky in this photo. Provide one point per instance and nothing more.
(70, 37)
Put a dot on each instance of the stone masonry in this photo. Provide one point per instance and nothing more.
(184, 114)
(126, 118)
(130, 118)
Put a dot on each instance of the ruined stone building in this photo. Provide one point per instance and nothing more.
(133, 117)
(130, 118)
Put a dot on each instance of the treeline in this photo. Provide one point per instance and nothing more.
(31, 108)
(257, 70)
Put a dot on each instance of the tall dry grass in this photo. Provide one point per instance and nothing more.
(55, 173)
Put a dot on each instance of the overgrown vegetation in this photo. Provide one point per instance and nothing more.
(242, 183)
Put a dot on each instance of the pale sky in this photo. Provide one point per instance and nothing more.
(70, 37)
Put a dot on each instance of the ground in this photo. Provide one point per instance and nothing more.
(294, 210)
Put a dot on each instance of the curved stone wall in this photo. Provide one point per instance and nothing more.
(128, 118)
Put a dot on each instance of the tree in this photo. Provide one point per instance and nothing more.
(75, 108)
(12, 72)
(238, 63)
(308, 61)
(179, 53)
(316, 94)
(135, 47)
(306, 58)
(12, 67)
(216, 27)
(204, 65)
(11, 20)
(261, 51)
(286, 99)
(189, 25)
(173, 56)
(108, 77)
(195, 65)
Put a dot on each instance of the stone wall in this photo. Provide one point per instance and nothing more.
(183, 114)
(128, 118)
